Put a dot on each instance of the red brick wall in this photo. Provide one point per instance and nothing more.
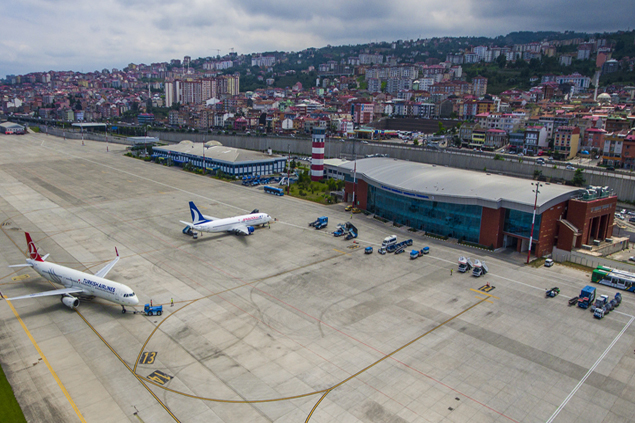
(549, 229)
(492, 223)
(580, 214)
(361, 193)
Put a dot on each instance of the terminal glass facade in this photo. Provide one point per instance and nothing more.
(453, 220)
(519, 223)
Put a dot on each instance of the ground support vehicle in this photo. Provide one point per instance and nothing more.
(599, 313)
(381, 251)
(392, 239)
(400, 250)
(480, 268)
(587, 296)
(320, 222)
(418, 253)
(465, 264)
(617, 299)
(403, 244)
(352, 231)
(601, 302)
(149, 310)
(553, 292)
(341, 230)
(273, 190)
(573, 301)
(368, 250)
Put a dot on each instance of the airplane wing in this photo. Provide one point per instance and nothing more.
(241, 229)
(47, 293)
(104, 270)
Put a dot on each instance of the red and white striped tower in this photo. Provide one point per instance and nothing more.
(317, 162)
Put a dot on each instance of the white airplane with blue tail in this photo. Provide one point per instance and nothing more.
(239, 225)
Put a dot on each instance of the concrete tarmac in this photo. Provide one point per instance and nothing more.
(287, 325)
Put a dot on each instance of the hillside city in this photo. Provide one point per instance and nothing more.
(565, 93)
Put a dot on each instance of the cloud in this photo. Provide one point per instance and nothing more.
(41, 35)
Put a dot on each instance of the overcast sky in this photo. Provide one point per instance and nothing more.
(88, 35)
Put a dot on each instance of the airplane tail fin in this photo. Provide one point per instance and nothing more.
(197, 216)
(33, 253)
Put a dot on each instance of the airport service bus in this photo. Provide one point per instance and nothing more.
(274, 190)
(613, 277)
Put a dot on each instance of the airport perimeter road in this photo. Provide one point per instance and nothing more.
(287, 325)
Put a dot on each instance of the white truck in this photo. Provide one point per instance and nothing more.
(389, 240)
(465, 264)
(480, 268)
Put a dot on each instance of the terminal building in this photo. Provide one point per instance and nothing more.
(493, 211)
(215, 157)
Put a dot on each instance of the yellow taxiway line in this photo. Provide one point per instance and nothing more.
(57, 379)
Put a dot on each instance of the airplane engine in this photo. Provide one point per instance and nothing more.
(70, 302)
(250, 229)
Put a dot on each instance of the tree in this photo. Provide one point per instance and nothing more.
(578, 180)
(501, 61)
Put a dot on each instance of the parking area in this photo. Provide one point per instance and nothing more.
(289, 324)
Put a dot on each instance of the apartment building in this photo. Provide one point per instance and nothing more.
(567, 141)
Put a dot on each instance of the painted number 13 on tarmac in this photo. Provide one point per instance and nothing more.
(148, 357)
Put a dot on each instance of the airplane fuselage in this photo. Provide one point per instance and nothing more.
(228, 224)
(90, 284)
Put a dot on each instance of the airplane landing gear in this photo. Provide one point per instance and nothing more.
(123, 309)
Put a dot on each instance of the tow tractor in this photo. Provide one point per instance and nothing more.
(320, 222)
(149, 310)
(553, 292)
(599, 313)
(368, 250)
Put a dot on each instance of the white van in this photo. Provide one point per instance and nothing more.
(389, 240)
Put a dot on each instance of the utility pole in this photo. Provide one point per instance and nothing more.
(533, 219)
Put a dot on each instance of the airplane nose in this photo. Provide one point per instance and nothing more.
(134, 300)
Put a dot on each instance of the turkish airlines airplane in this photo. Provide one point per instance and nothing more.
(76, 282)
(239, 225)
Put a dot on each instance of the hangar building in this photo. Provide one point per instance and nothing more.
(11, 128)
(490, 210)
(214, 156)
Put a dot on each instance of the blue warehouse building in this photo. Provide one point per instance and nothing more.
(214, 157)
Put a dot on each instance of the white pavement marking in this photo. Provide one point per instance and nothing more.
(599, 360)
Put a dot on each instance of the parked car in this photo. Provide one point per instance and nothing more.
(631, 258)
(631, 219)
(548, 262)
(569, 167)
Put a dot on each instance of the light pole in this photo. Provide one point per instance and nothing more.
(533, 219)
